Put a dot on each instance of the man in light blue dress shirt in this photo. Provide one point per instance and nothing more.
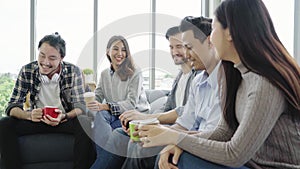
(203, 108)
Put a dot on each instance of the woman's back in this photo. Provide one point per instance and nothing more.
(265, 122)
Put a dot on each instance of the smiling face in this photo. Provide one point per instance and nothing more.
(177, 49)
(117, 53)
(194, 49)
(49, 59)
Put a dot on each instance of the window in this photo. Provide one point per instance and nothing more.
(129, 19)
(15, 35)
(132, 19)
(170, 13)
(73, 20)
(283, 21)
(15, 45)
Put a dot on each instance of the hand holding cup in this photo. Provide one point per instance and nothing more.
(89, 97)
(132, 127)
(51, 111)
(51, 115)
(157, 135)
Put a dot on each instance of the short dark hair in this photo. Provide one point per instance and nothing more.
(172, 31)
(55, 41)
(201, 26)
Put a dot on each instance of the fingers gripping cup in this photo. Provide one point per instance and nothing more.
(133, 123)
(50, 110)
(89, 97)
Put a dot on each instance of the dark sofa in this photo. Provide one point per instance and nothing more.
(59, 147)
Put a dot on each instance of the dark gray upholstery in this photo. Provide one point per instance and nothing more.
(55, 150)
(47, 151)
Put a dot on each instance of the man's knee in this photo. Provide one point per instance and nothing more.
(6, 120)
(6, 123)
(103, 115)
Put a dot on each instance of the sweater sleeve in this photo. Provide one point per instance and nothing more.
(134, 92)
(258, 107)
(99, 91)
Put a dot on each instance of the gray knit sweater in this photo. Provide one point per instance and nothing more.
(128, 95)
(268, 135)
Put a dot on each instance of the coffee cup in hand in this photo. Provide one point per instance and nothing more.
(50, 110)
(133, 123)
(89, 97)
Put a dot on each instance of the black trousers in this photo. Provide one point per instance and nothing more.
(11, 128)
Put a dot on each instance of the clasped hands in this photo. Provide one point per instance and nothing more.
(37, 116)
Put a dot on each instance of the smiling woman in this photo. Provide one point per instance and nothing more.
(119, 56)
(119, 89)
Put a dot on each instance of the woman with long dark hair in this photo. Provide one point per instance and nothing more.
(120, 88)
(260, 127)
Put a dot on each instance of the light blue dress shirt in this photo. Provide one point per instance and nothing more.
(203, 108)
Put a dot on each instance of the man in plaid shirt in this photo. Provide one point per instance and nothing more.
(50, 82)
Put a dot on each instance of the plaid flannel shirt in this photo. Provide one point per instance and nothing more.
(114, 108)
(70, 83)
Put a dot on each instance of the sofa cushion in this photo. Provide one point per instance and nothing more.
(50, 147)
(153, 95)
(157, 99)
(158, 105)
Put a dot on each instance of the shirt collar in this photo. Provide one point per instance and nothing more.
(202, 78)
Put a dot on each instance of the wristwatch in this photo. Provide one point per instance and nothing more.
(66, 117)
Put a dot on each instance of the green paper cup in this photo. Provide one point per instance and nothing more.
(133, 123)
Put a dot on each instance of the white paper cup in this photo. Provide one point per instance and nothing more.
(89, 97)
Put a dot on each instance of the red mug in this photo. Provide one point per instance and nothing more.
(50, 110)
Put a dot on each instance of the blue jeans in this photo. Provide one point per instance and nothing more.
(113, 153)
(139, 157)
(187, 161)
(104, 124)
